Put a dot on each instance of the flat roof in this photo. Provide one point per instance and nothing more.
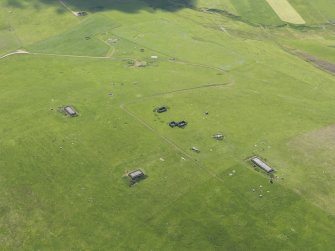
(135, 174)
(162, 109)
(262, 164)
(70, 110)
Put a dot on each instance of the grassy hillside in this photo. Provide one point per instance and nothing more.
(64, 183)
(315, 12)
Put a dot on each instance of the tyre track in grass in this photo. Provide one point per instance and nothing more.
(126, 110)
(14, 53)
(322, 65)
(54, 55)
(171, 58)
(198, 163)
(170, 142)
(69, 55)
(183, 62)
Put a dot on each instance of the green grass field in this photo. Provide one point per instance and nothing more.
(63, 183)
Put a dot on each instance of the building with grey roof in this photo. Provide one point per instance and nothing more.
(70, 111)
(261, 164)
(136, 174)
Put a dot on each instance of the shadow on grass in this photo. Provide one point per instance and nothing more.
(133, 182)
(104, 5)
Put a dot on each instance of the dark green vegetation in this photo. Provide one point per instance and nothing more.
(105, 5)
(63, 183)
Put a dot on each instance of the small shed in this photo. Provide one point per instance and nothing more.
(134, 175)
(81, 13)
(70, 111)
(218, 136)
(182, 124)
(261, 164)
(194, 149)
(173, 124)
(162, 109)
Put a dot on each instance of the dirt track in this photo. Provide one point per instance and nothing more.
(322, 64)
(14, 53)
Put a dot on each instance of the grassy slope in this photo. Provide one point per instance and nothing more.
(321, 49)
(314, 43)
(318, 42)
(8, 40)
(88, 189)
(80, 40)
(35, 21)
(75, 197)
(257, 12)
(315, 12)
(215, 4)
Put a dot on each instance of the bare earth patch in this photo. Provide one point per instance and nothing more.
(322, 64)
(286, 12)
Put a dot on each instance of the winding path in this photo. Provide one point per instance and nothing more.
(14, 53)
(52, 54)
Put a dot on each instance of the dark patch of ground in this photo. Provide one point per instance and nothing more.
(101, 5)
(322, 64)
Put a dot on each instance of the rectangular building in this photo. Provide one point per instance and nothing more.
(261, 164)
(136, 174)
(70, 111)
